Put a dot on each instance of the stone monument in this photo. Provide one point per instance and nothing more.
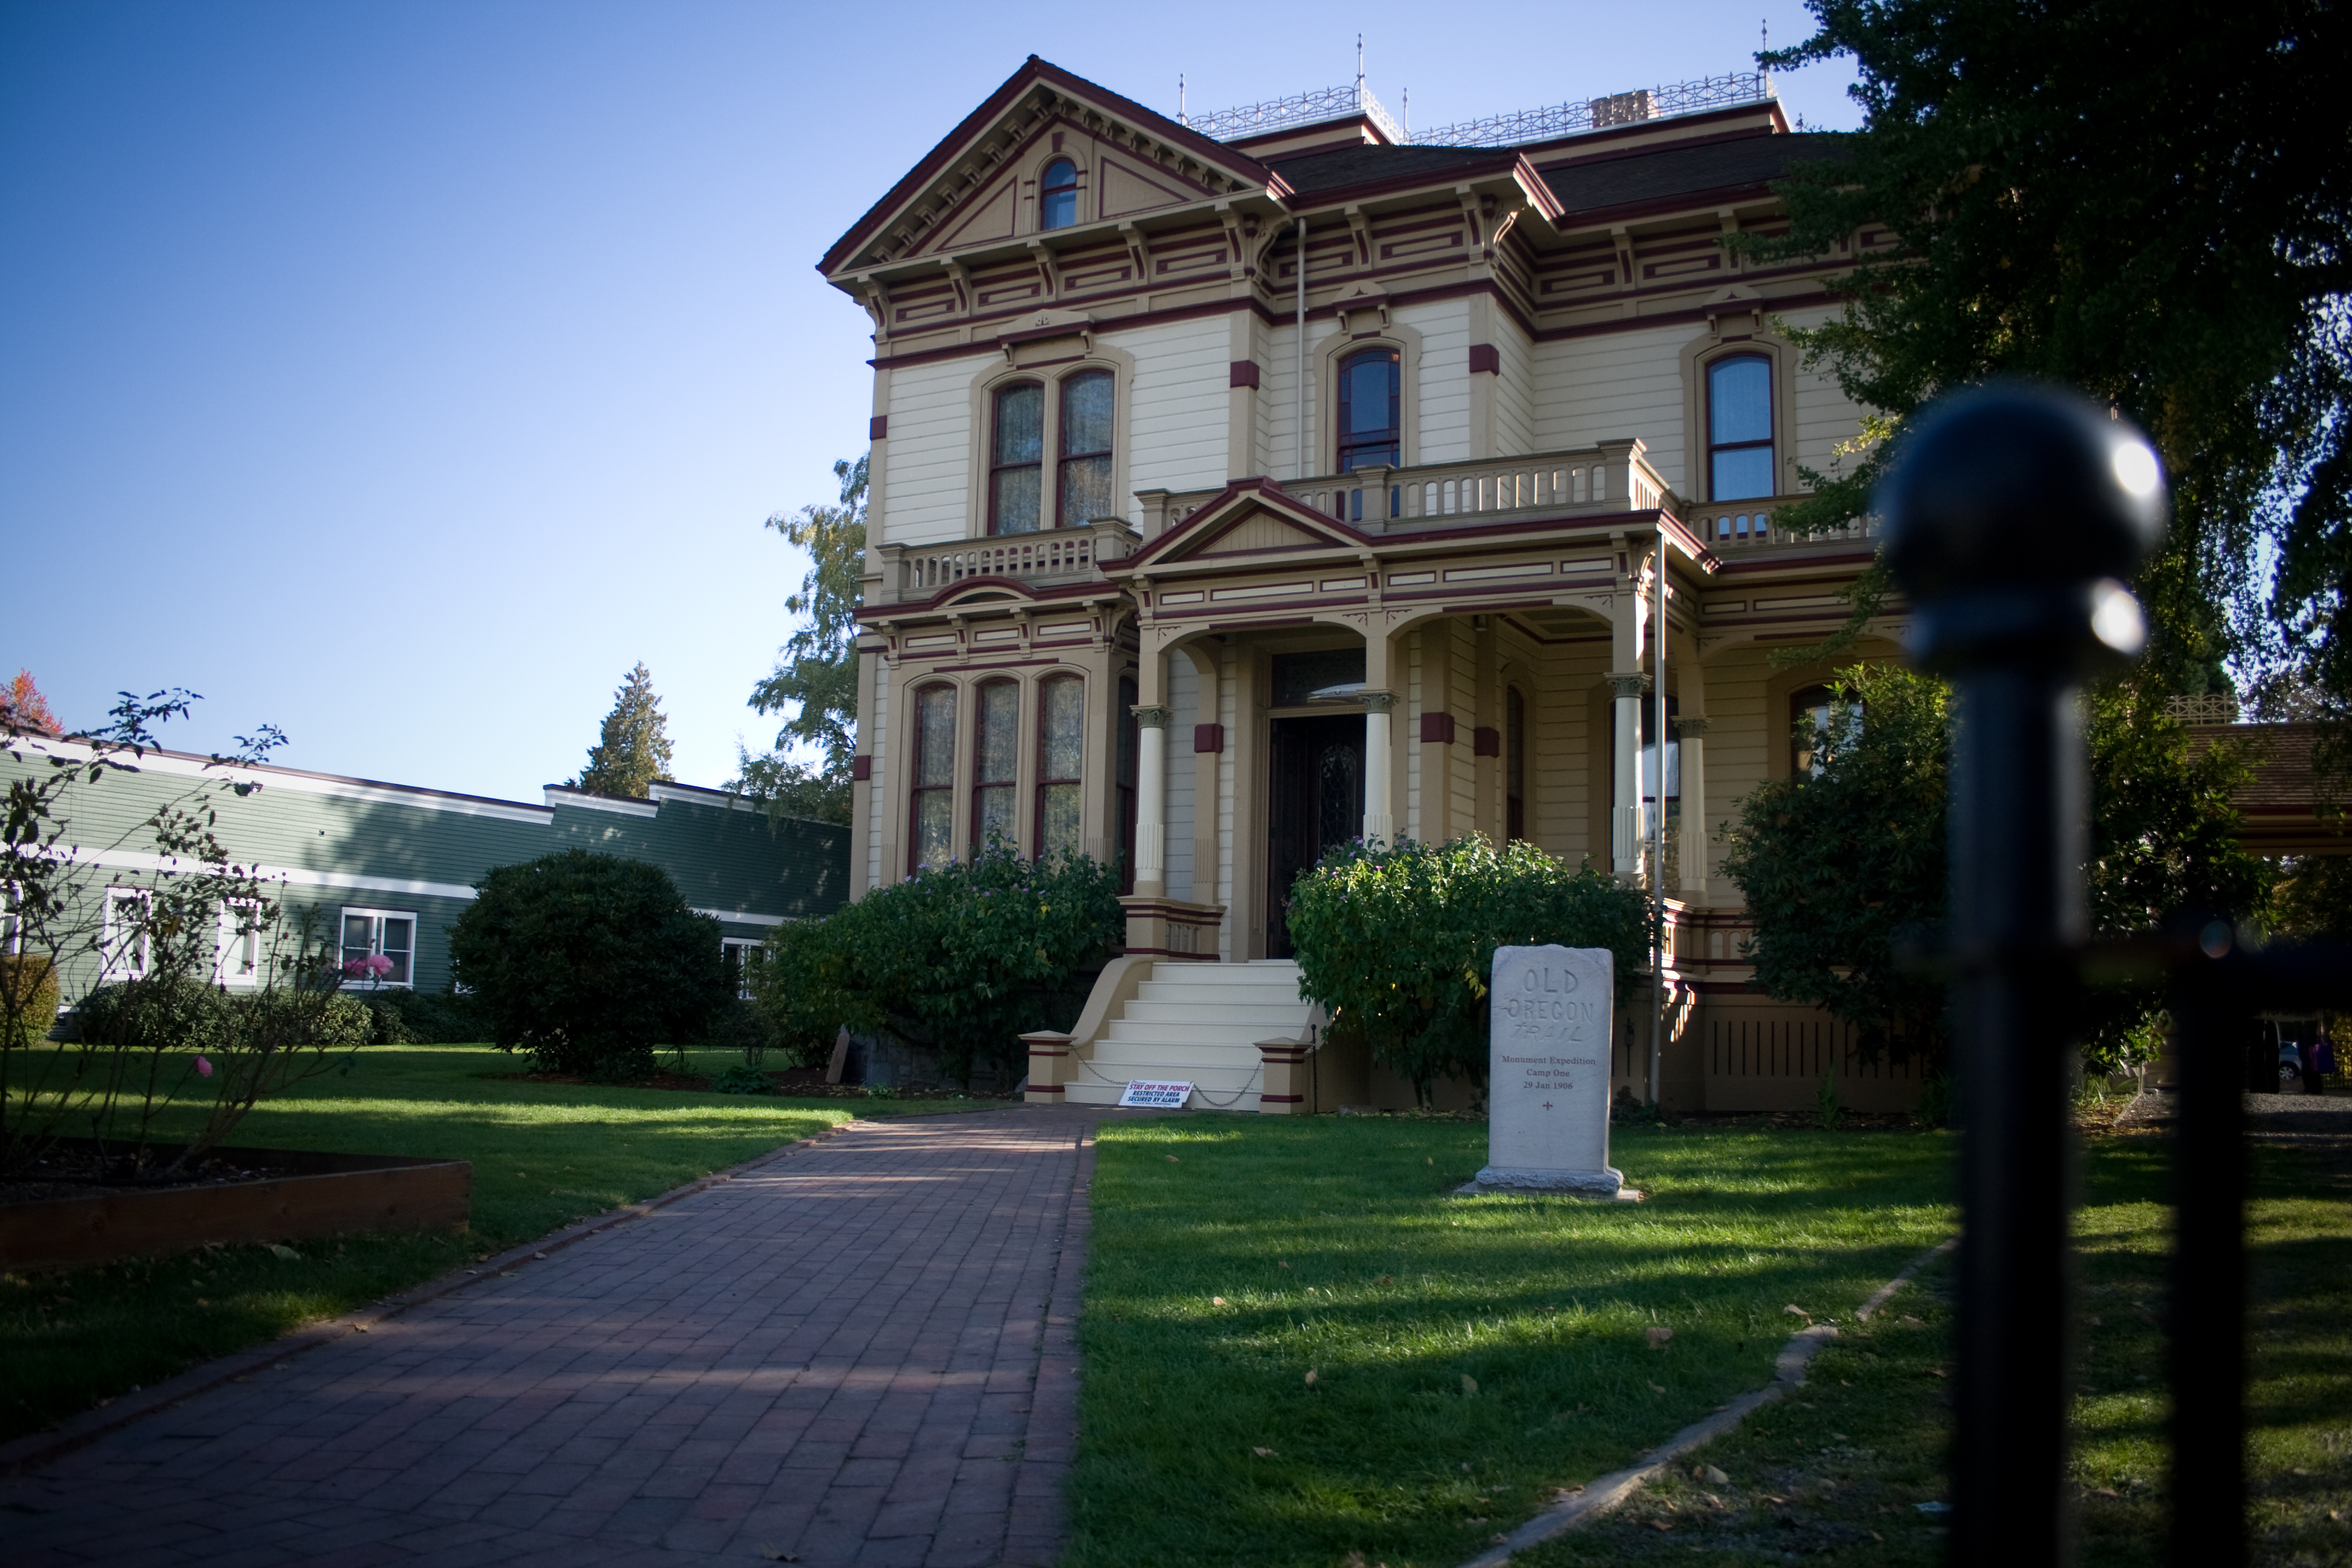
(1547, 1073)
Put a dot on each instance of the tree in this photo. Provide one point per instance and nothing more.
(1844, 870)
(815, 682)
(2148, 201)
(23, 708)
(1399, 941)
(633, 755)
(588, 961)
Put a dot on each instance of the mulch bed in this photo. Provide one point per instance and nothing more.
(76, 1174)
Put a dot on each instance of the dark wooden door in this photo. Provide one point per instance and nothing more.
(1317, 801)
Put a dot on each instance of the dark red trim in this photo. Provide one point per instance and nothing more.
(861, 769)
(1485, 357)
(879, 427)
(1485, 742)
(1243, 373)
(1208, 739)
(1437, 728)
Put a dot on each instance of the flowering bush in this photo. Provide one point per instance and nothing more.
(1399, 941)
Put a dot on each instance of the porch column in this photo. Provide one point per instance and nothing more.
(1625, 778)
(1691, 734)
(1151, 803)
(1380, 814)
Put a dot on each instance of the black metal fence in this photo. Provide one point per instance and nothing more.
(2015, 514)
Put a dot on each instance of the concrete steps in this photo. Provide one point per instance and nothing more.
(1200, 1023)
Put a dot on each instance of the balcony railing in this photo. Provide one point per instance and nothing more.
(1612, 477)
(1725, 526)
(1068, 554)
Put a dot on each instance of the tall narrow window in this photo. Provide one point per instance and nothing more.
(1057, 195)
(931, 836)
(1086, 448)
(1016, 450)
(1061, 743)
(1819, 719)
(1130, 744)
(1740, 428)
(1515, 765)
(995, 762)
(238, 961)
(1370, 427)
(122, 936)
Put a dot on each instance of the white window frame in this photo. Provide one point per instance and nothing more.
(12, 926)
(376, 944)
(226, 968)
(112, 970)
(743, 965)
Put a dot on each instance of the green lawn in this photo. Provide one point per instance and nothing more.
(1543, 1304)
(1833, 1476)
(1469, 1355)
(545, 1155)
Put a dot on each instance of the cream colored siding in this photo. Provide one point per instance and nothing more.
(1278, 396)
(1740, 736)
(1444, 389)
(1461, 756)
(1183, 701)
(1616, 385)
(929, 496)
(1515, 409)
(874, 729)
(1228, 714)
(1826, 417)
(1176, 429)
(1416, 826)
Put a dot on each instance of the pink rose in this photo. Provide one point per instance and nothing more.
(204, 1067)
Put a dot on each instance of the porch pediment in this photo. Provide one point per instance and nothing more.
(1252, 518)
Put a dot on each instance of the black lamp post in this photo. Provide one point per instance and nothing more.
(2013, 513)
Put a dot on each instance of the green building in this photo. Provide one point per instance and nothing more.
(390, 866)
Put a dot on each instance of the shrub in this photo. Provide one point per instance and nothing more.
(742, 1025)
(742, 1078)
(961, 960)
(422, 1019)
(29, 997)
(587, 961)
(160, 1013)
(1401, 940)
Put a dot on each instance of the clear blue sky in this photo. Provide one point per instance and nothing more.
(401, 374)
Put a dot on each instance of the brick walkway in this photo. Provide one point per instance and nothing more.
(859, 1353)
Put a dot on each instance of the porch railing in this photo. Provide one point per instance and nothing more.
(1068, 554)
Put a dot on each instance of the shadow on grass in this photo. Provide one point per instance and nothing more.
(1469, 1353)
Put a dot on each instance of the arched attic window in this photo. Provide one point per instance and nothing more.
(1057, 195)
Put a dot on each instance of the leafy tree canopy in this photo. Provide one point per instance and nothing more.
(2143, 198)
(1399, 941)
(1840, 868)
(633, 755)
(814, 682)
(23, 708)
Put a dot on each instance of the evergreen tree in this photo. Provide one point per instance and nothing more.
(633, 755)
(815, 682)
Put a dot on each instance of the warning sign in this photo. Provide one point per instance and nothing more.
(1165, 1095)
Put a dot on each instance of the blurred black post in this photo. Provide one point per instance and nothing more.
(2012, 512)
(2207, 1319)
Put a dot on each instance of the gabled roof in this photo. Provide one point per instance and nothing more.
(1247, 518)
(992, 115)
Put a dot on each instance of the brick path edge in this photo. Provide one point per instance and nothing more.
(79, 1431)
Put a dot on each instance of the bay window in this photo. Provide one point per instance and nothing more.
(930, 838)
(1061, 744)
(996, 760)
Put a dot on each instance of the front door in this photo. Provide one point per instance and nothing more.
(1317, 801)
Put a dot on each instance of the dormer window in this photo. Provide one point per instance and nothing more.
(1057, 195)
